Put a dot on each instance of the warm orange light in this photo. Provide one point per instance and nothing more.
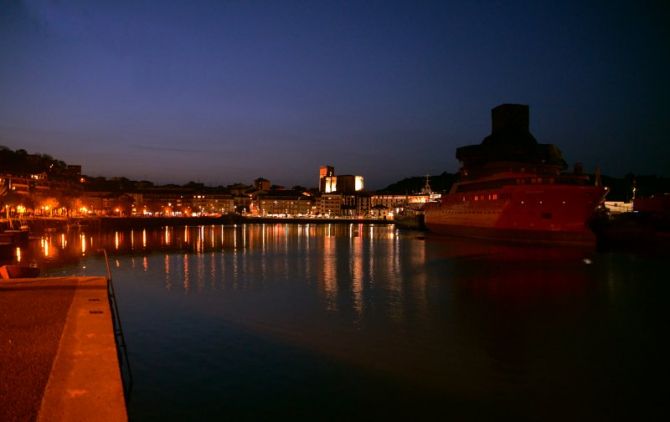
(45, 246)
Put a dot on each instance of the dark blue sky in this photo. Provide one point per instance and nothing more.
(226, 91)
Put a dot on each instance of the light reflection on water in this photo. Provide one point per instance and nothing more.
(258, 320)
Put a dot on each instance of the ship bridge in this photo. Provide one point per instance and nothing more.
(510, 146)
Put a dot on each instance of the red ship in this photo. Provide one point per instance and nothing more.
(513, 188)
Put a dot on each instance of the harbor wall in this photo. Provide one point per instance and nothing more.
(42, 225)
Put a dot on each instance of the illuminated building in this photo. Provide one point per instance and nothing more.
(348, 184)
(327, 179)
(345, 184)
(330, 184)
(330, 204)
(213, 203)
(285, 203)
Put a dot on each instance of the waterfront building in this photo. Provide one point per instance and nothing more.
(33, 184)
(182, 201)
(105, 203)
(39, 193)
(286, 203)
(330, 204)
(213, 203)
(18, 185)
(166, 201)
(356, 205)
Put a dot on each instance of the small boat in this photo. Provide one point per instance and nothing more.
(410, 218)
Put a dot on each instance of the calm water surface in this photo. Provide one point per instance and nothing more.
(365, 321)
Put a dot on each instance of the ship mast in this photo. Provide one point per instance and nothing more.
(426, 188)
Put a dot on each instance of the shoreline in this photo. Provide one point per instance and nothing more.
(44, 224)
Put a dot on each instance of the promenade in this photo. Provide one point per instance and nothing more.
(58, 359)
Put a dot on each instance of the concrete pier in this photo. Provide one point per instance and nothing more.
(58, 358)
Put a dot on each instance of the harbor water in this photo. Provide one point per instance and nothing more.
(349, 321)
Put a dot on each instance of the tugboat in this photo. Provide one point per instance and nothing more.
(513, 188)
(412, 216)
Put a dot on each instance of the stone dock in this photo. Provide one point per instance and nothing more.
(58, 355)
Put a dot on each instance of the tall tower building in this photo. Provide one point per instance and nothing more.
(325, 174)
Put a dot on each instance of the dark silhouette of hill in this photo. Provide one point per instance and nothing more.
(21, 163)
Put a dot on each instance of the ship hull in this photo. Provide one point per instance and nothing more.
(551, 213)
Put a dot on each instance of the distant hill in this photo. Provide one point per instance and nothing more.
(20, 162)
(439, 183)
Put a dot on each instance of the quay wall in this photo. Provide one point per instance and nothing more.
(42, 225)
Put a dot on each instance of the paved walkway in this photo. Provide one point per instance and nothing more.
(58, 357)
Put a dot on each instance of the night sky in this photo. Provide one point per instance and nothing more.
(227, 91)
